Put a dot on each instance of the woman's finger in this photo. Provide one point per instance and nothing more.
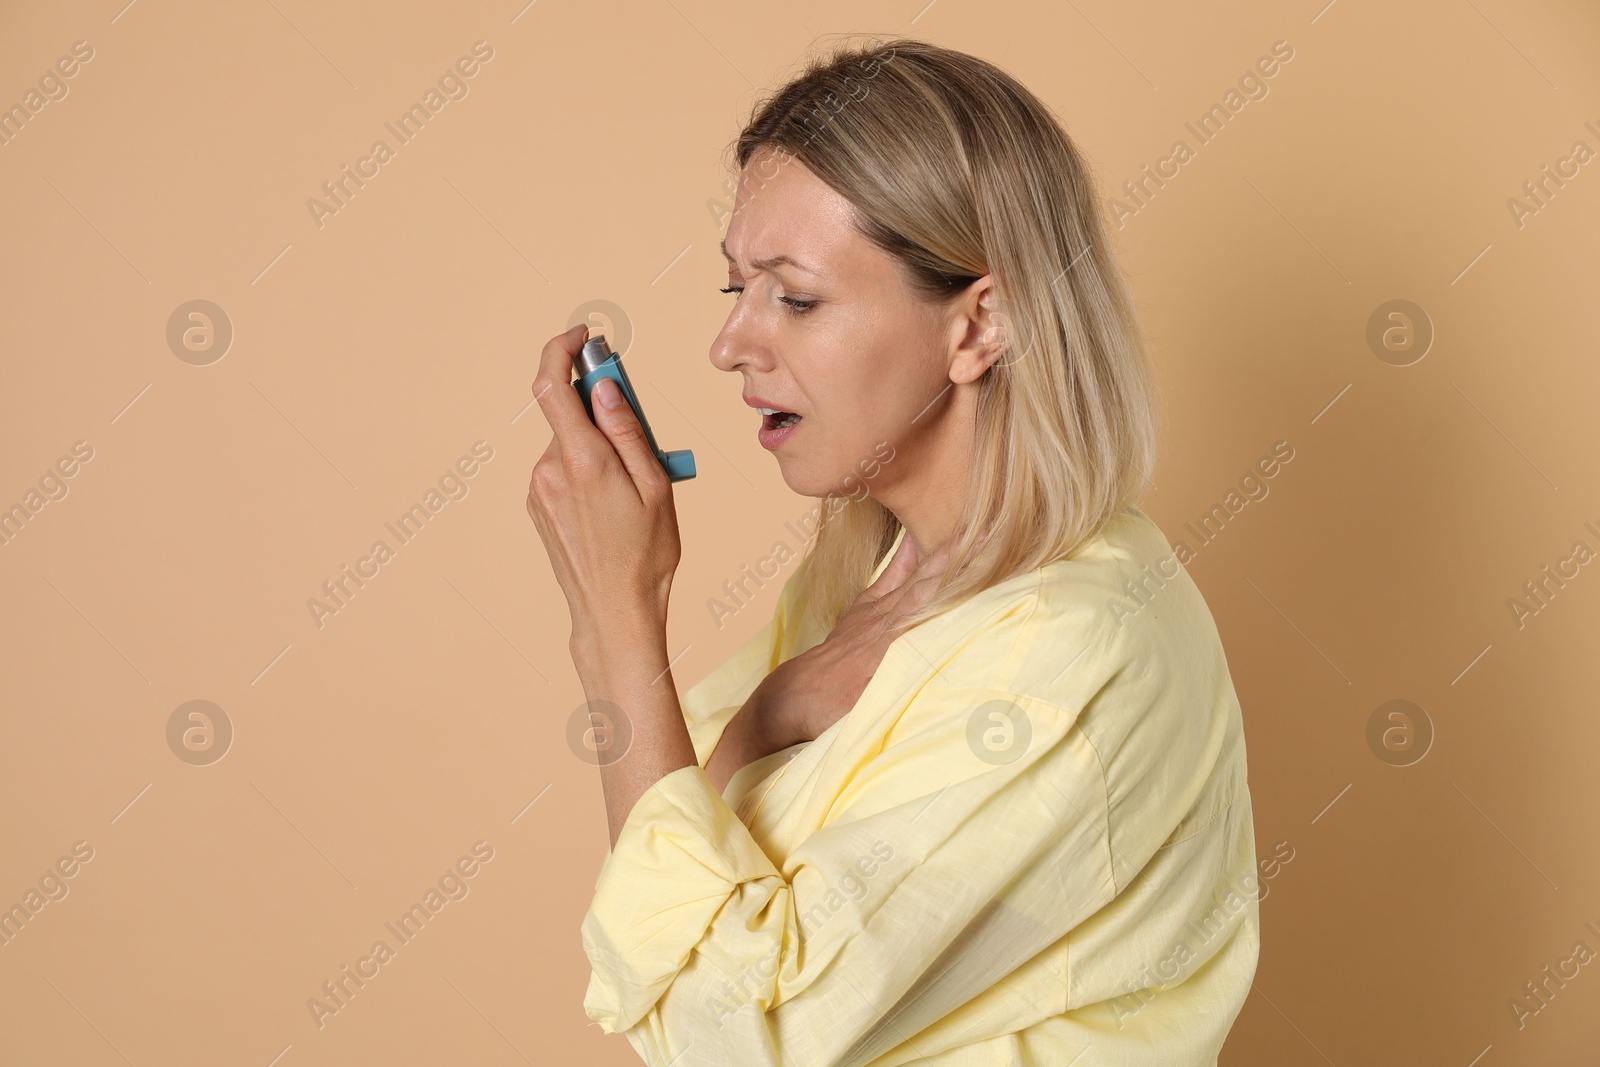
(925, 580)
(899, 569)
(552, 387)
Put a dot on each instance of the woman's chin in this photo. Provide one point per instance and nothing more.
(802, 481)
(796, 482)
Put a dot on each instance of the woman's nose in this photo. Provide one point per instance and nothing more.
(736, 346)
(721, 354)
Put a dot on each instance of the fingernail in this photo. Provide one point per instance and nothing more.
(610, 394)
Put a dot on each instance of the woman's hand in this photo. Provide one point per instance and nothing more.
(603, 507)
(806, 694)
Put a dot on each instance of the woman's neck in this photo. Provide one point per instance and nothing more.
(928, 496)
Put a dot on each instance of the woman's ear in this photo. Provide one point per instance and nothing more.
(980, 329)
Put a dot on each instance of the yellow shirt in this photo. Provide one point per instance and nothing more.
(1030, 840)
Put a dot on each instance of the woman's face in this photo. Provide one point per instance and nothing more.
(826, 327)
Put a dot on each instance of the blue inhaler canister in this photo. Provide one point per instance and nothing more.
(597, 361)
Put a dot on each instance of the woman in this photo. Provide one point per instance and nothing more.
(975, 794)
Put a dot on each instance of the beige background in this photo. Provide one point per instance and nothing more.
(585, 163)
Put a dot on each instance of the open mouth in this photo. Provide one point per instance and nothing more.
(776, 420)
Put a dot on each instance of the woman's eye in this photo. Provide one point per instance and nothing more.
(797, 307)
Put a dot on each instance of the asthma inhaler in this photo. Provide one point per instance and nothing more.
(597, 361)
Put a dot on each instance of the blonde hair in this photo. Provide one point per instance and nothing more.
(957, 171)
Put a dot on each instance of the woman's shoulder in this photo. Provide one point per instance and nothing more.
(1127, 571)
(1122, 601)
(1119, 638)
(1129, 546)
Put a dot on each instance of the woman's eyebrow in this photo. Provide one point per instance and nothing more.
(770, 262)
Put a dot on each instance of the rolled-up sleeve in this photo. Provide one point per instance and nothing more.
(681, 856)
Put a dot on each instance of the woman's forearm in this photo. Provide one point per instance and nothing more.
(625, 677)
